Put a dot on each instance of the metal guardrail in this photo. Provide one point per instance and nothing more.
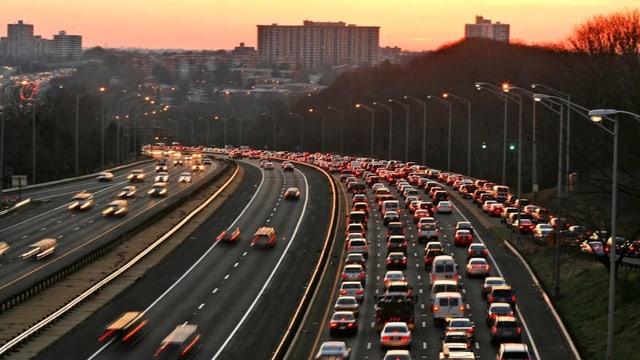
(36, 288)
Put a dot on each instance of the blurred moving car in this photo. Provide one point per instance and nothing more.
(4, 247)
(116, 208)
(182, 342)
(128, 191)
(162, 176)
(292, 193)
(185, 177)
(129, 327)
(105, 176)
(333, 350)
(158, 189)
(264, 236)
(81, 201)
(136, 175)
(40, 249)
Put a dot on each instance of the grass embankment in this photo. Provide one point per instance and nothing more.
(584, 296)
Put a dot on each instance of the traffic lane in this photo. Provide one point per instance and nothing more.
(541, 325)
(84, 338)
(268, 321)
(78, 233)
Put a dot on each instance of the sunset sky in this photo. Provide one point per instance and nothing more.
(413, 25)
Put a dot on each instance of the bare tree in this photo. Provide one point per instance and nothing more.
(614, 34)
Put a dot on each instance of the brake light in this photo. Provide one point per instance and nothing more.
(106, 335)
(519, 330)
(343, 292)
(461, 307)
(134, 331)
(333, 325)
(435, 308)
(190, 346)
(513, 298)
(359, 291)
(490, 298)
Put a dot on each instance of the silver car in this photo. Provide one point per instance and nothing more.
(394, 335)
(352, 288)
(347, 303)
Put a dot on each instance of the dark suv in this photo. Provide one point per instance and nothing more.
(397, 243)
(505, 329)
(502, 293)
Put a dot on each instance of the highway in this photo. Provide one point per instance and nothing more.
(237, 294)
(78, 232)
(539, 331)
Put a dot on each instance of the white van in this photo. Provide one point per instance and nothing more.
(447, 305)
(439, 286)
(444, 267)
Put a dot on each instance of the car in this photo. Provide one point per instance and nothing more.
(633, 248)
(439, 286)
(128, 191)
(161, 166)
(81, 201)
(105, 176)
(486, 206)
(462, 238)
(207, 161)
(128, 327)
(505, 329)
(158, 189)
(334, 350)
(268, 165)
(464, 225)
(343, 323)
(136, 175)
(496, 209)
(462, 324)
(396, 260)
(478, 267)
(230, 235)
(498, 309)
(508, 351)
(444, 207)
(361, 206)
(356, 258)
(4, 247)
(292, 193)
(354, 272)
(393, 275)
(356, 228)
(427, 232)
(352, 288)
(489, 282)
(395, 334)
(397, 243)
(397, 354)
(452, 338)
(162, 176)
(40, 249)
(287, 166)
(177, 162)
(502, 293)
(264, 236)
(390, 216)
(116, 208)
(477, 250)
(395, 228)
(542, 230)
(183, 341)
(430, 253)
(185, 177)
(506, 211)
(359, 198)
(197, 166)
(523, 226)
(347, 303)
(399, 288)
(595, 247)
(360, 217)
(420, 213)
(358, 246)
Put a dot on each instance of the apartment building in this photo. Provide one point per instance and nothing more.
(483, 28)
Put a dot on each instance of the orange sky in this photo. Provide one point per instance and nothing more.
(413, 25)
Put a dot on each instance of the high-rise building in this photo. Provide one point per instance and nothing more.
(67, 47)
(19, 41)
(483, 28)
(317, 44)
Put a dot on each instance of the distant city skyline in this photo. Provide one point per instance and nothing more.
(413, 25)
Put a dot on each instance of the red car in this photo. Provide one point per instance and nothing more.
(462, 238)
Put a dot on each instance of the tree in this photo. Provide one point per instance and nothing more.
(615, 34)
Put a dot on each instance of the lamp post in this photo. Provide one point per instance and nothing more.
(518, 100)
(78, 126)
(1, 150)
(311, 110)
(468, 104)
(406, 139)
(33, 139)
(496, 91)
(341, 127)
(301, 129)
(597, 116)
(424, 126)
(390, 110)
(373, 116)
(448, 105)
(567, 97)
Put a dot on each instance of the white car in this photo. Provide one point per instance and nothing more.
(333, 350)
(162, 177)
(185, 177)
(128, 191)
(105, 176)
(542, 230)
(445, 207)
(393, 275)
(395, 335)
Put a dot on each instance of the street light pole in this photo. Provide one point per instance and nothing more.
(424, 126)
(390, 110)
(1, 150)
(497, 91)
(406, 139)
(78, 126)
(448, 105)
(301, 129)
(33, 139)
(341, 127)
(597, 116)
(468, 103)
(373, 116)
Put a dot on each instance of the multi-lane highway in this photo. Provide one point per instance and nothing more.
(241, 297)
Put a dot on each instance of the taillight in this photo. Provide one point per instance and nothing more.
(513, 299)
(490, 298)
(359, 291)
(461, 307)
(343, 292)
(519, 330)
(435, 308)
(333, 325)
(344, 276)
